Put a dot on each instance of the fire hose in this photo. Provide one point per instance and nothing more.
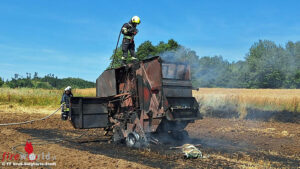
(115, 53)
(31, 121)
(37, 141)
(44, 141)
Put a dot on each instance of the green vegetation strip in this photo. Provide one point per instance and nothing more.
(32, 97)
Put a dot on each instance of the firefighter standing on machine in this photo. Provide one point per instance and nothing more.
(65, 100)
(129, 30)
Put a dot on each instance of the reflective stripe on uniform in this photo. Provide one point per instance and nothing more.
(124, 30)
(128, 37)
(65, 108)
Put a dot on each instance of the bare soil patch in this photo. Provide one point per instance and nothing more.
(226, 143)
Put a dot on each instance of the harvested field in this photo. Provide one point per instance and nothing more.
(242, 128)
(228, 143)
(257, 104)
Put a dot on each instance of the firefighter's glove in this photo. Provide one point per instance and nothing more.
(133, 31)
(124, 30)
(65, 108)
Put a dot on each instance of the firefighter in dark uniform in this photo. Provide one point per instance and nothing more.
(65, 100)
(129, 30)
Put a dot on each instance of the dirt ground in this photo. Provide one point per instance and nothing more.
(225, 143)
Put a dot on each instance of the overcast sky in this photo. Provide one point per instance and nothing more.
(75, 38)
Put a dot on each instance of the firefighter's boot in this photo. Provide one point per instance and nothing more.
(64, 116)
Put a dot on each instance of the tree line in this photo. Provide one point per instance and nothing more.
(49, 81)
(266, 65)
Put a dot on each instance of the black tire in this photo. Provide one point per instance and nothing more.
(117, 135)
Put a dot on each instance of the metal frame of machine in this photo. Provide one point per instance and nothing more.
(138, 100)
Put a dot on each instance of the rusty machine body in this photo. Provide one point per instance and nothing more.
(137, 101)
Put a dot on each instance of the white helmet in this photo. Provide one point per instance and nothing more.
(68, 88)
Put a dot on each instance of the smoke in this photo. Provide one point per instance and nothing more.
(266, 66)
(206, 71)
(174, 56)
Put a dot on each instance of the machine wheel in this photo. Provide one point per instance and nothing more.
(117, 135)
(133, 140)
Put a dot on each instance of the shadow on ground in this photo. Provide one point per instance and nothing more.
(280, 116)
(160, 156)
(254, 114)
(99, 145)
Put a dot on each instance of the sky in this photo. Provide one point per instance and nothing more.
(75, 38)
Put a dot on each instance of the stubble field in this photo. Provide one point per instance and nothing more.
(242, 128)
